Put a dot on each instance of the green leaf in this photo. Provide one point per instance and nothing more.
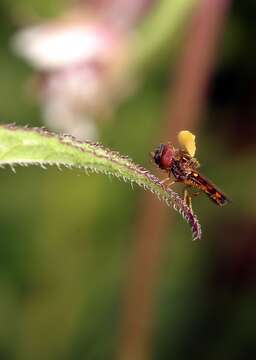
(36, 146)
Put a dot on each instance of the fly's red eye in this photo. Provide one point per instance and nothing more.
(163, 156)
(166, 158)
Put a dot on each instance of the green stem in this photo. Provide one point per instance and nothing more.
(36, 146)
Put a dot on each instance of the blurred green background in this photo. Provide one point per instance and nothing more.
(67, 239)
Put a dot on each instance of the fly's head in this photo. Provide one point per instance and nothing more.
(163, 156)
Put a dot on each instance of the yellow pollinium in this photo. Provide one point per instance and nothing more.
(187, 140)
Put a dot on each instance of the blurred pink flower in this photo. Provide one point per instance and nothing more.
(83, 65)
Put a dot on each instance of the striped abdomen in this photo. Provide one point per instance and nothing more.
(197, 181)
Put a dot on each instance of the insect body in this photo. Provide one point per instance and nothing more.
(183, 167)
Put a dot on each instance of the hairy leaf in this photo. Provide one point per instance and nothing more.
(36, 146)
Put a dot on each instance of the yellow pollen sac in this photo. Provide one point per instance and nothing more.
(187, 140)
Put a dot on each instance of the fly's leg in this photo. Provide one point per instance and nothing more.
(173, 182)
(187, 199)
(195, 193)
(162, 182)
(165, 181)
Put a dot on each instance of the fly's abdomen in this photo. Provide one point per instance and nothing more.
(199, 182)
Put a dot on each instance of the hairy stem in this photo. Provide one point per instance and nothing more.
(26, 146)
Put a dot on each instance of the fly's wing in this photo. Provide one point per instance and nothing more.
(200, 182)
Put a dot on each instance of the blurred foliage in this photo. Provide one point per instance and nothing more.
(66, 238)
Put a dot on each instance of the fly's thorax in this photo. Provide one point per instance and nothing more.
(178, 170)
(181, 165)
